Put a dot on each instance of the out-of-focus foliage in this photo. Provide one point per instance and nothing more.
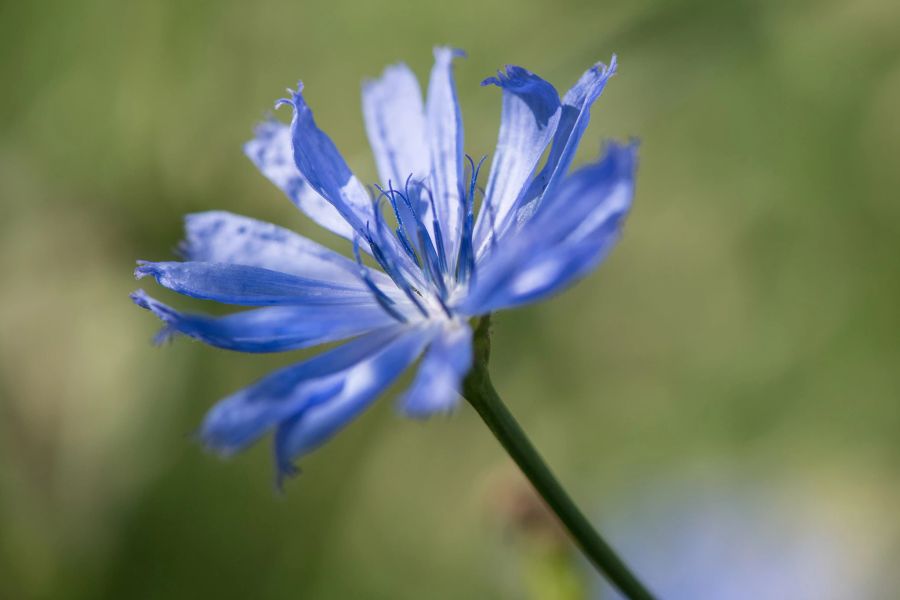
(748, 323)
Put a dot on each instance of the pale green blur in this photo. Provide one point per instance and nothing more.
(747, 326)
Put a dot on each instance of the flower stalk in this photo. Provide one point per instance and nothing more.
(480, 393)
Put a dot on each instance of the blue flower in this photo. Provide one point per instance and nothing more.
(537, 231)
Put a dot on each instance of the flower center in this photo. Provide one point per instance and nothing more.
(415, 253)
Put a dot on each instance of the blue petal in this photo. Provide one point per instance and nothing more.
(395, 123)
(222, 237)
(252, 286)
(236, 421)
(576, 113)
(324, 168)
(555, 271)
(437, 384)
(568, 236)
(271, 151)
(445, 138)
(354, 389)
(530, 115)
(270, 329)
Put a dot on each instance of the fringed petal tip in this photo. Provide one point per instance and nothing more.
(146, 268)
(390, 72)
(539, 95)
(512, 77)
(285, 470)
(295, 100)
(604, 70)
(141, 298)
(446, 54)
(162, 312)
(624, 154)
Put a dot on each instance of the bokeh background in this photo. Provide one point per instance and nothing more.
(740, 348)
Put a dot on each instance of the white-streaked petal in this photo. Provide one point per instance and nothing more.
(530, 115)
(320, 163)
(250, 286)
(395, 123)
(573, 121)
(568, 236)
(223, 237)
(243, 417)
(349, 393)
(445, 140)
(269, 329)
(273, 155)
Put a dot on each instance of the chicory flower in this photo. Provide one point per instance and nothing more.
(439, 261)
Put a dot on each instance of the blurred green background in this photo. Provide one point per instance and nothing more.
(747, 328)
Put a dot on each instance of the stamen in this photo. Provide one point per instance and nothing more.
(401, 225)
(431, 258)
(383, 300)
(438, 237)
(391, 268)
(431, 265)
(424, 248)
(466, 262)
(404, 242)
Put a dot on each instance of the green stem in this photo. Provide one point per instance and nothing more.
(480, 393)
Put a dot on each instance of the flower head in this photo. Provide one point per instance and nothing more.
(438, 264)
